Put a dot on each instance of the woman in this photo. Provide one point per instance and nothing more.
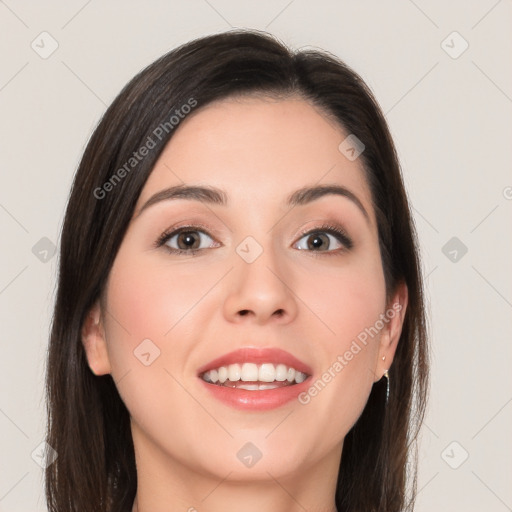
(239, 321)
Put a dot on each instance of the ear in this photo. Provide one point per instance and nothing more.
(94, 341)
(394, 320)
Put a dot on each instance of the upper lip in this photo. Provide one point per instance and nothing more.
(257, 356)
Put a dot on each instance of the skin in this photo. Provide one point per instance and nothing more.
(258, 150)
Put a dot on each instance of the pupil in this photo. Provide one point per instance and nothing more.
(316, 241)
(189, 239)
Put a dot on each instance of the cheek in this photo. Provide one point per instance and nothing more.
(149, 308)
(151, 300)
(154, 314)
(348, 304)
(346, 300)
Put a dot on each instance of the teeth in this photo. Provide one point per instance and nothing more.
(223, 374)
(267, 386)
(300, 377)
(267, 373)
(214, 375)
(257, 387)
(281, 372)
(234, 372)
(251, 387)
(251, 372)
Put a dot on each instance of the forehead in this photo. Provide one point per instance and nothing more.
(258, 148)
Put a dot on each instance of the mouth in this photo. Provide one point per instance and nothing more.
(256, 379)
(253, 377)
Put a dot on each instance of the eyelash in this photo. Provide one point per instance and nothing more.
(330, 229)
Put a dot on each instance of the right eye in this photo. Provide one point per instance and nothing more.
(187, 239)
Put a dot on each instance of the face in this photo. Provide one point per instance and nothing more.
(295, 285)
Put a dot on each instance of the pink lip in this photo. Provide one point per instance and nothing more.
(257, 356)
(257, 400)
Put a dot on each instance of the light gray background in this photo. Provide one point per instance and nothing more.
(450, 118)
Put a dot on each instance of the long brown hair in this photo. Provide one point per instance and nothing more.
(88, 424)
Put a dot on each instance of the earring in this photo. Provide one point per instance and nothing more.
(386, 374)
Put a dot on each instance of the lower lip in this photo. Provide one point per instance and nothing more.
(263, 400)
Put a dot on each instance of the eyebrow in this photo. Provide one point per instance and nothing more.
(213, 195)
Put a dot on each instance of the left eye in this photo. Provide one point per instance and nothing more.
(317, 240)
(188, 240)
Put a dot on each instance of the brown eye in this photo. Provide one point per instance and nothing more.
(318, 241)
(321, 240)
(188, 240)
(185, 240)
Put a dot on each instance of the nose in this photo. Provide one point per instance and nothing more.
(261, 291)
